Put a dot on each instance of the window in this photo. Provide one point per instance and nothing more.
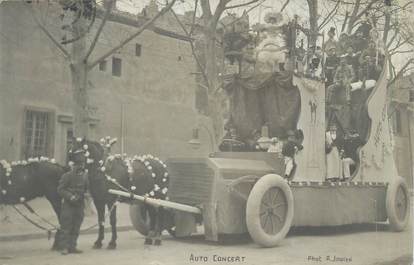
(69, 139)
(102, 65)
(116, 66)
(411, 96)
(396, 122)
(137, 49)
(37, 134)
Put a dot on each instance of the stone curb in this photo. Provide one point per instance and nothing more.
(44, 234)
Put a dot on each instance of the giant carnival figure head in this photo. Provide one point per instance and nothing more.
(272, 50)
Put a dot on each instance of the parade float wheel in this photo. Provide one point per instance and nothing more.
(139, 218)
(398, 204)
(269, 210)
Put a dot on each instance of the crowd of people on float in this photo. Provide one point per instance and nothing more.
(352, 62)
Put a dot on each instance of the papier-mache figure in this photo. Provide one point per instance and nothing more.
(333, 159)
(271, 51)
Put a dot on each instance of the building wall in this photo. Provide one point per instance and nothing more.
(150, 106)
(403, 121)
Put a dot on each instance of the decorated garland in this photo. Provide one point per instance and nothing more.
(159, 189)
(9, 168)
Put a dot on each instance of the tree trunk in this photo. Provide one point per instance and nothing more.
(215, 111)
(313, 22)
(79, 75)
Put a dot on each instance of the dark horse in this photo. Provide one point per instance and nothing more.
(96, 154)
(147, 176)
(23, 181)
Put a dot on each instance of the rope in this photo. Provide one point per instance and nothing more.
(49, 231)
(31, 210)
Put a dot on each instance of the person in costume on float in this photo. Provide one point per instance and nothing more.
(344, 75)
(289, 150)
(333, 160)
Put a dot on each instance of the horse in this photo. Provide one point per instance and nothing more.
(146, 176)
(23, 181)
(96, 154)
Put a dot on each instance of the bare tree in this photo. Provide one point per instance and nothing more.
(211, 49)
(79, 57)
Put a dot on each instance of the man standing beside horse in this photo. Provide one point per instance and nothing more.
(72, 188)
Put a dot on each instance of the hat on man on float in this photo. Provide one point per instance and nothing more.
(274, 140)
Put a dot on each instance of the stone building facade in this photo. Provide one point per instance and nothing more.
(143, 94)
(402, 115)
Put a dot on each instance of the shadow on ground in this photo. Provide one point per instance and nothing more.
(242, 239)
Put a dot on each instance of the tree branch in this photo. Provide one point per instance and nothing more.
(401, 72)
(284, 5)
(202, 69)
(331, 14)
(219, 11)
(47, 33)
(194, 18)
(98, 33)
(247, 11)
(241, 5)
(366, 9)
(139, 31)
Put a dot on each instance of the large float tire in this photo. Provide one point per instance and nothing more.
(139, 218)
(269, 210)
(398, 204)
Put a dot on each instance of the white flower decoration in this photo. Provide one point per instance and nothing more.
(156, 187)
(149, 167)
(7, 174)
(87, 154)
(103, 169)
(22, 199)
(164, 180)
(78, 139)
(108, 137)
(146, 163)
(70, 163)
(13, 163)
(86, 170)
(100, 162)
(152, 193)
(85, 146)
(4, 192)
(9, 182)
(89, 161)
(164, 190)
(24, 162)
(153, 175)
(166, 174)
(133, 188)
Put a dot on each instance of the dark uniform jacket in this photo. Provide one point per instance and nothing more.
(73, 183)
